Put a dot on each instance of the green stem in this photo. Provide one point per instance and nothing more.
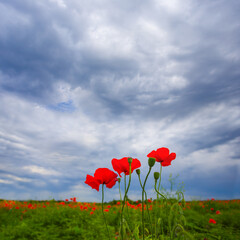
(103, 212)
(174, 229)
(125, 184)
(120, 191)
(143, 190)
(124, 199)
(158, 191)
(146, 203)
(159, 183)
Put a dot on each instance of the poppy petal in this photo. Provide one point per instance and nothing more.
(92, 182)
(122, 165)
(112, 183)
(162, 153)
(153, 154)
(116, 166)
(135, 164)
(167, 161)
(105, 175)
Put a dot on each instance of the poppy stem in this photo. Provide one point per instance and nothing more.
(146, 202)
(120, 191)
(158, 191)
(124, 199)
(143, 191)
(125, 183)
(103, 211)
(159, 183)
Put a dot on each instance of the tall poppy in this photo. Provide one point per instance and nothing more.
(122, 165)
(102, 176)
(162, 155)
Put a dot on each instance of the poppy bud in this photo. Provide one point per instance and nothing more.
(156, 175)
(151, 161)
(130, 160)
(119, 180)
(138, 171)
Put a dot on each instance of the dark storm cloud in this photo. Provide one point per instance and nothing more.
(84, 82)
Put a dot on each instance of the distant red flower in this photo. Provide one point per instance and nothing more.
(212, 209)
(108, 206)
(106, 210)
(217, 212)
(162, 155)
(91, 213)
(66, 200)
(212, 221)
(102, 176)
(213, 199)
(118, 203)
(122, 165)
(149, 200)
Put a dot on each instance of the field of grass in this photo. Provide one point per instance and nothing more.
(70, 220)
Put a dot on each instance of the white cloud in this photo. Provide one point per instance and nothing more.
(60, 3)
(15, 178)
(6, 181)
(40, 170)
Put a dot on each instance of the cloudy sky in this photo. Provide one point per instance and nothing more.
(82, 82)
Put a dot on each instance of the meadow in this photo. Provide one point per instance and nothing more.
(69, 219)
(168, 217)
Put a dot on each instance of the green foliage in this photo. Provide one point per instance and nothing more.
(170, 221)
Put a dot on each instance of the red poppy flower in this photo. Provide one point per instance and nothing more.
(102, 176)
(217, 212)
(162, 155)
(122, 165)
(212, 221)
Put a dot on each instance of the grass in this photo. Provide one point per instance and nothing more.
(42, 220)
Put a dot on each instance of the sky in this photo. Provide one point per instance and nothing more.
(84, 81)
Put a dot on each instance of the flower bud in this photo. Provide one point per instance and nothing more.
(151, 161)
(130, 160)
(156, 175)
(119, 180)
(138, 171)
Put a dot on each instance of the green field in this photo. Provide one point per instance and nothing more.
(77, 220)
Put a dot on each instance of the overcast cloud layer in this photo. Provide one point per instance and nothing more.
(82, 82)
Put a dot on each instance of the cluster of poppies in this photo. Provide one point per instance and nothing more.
(109, 178)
